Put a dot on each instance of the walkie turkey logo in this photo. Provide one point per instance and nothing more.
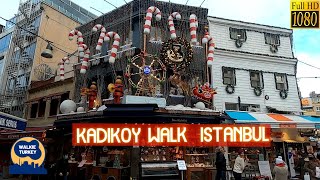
(27, 155)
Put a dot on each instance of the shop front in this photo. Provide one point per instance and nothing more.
(290, 138)
(146, 161)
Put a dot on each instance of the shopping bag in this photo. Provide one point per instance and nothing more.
(306, 176)
(317, 172)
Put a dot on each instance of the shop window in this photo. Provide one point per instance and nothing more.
(272, 39)
(256, 79)
(54, 107)
(42, 108)
(228, 76)
(281, 81)
(238, 34)
(34, 110)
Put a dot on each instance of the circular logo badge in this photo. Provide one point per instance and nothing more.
(146, 70)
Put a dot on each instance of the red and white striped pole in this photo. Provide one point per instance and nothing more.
(177, 16)
(99, 27)
(193, 28)
(115, 45)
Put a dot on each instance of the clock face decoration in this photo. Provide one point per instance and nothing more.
(146, 70)
(176, 54)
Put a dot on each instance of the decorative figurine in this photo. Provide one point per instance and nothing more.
(92, 95)
(117, 90)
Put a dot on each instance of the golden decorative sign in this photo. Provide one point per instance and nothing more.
(304, 14)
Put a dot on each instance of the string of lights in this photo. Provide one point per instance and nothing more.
(51, 43)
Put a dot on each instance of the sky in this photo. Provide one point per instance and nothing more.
(270, 12)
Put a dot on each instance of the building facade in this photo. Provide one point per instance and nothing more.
(311, 105)
(37, 23)
(254, 67)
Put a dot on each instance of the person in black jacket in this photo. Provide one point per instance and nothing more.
(62, 168)
(220, 164)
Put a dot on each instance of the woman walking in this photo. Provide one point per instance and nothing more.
(239, 165)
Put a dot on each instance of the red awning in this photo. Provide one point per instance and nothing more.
(36, 132)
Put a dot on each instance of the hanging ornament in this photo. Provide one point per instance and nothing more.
(64, 60)
(147, 24)
(208, 39)
(99, 27)
(193, 28)
(171, 24)
(115, 46)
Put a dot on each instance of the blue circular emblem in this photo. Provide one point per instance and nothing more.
(147, 70)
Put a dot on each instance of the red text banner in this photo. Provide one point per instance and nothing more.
(99, 134)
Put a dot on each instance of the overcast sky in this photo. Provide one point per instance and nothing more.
(270, 12)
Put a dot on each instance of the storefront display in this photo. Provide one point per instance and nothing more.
(159, 170)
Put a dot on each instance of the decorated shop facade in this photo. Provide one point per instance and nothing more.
(145, 62)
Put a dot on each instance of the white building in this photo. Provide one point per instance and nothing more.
(250, 57)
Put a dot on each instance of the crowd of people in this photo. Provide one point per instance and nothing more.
(307, 165)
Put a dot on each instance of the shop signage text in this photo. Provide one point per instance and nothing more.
(170, 135)
(10, 122)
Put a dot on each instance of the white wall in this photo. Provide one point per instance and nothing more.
(255, 44)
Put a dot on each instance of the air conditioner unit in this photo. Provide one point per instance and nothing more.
(253, 109)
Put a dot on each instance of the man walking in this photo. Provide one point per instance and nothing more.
(220, 164)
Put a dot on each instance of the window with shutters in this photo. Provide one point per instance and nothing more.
(256, 79)
(229, 76)
(236, 34)
(272, 39)
(281, 81)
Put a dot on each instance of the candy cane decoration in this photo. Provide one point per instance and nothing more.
(193, 28)
(208, 39)
(171, 25)
(147, 24)
(64, 60)
(115, 45)
(96, 28)
(79, 40)
(85, 61)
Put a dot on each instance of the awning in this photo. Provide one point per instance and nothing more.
(8, 121)
(36, 132)
(275, 120)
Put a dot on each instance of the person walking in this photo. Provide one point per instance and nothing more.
(239, 165)
(280, 170)
(310, 166)
(220, 164)
(63, 168)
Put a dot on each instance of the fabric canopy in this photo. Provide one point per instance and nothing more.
(275, 120)
(8, 121)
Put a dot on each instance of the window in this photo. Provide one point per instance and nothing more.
(238, 34)
(34, 110)
(281, 81)
(4, 43)
(42, 108)
(231, 106)
(54, 107)
(272, 39)
(228, 76)
(256, 79)
(317, 108)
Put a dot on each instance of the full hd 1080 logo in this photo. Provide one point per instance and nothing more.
(27, 155)
(305, 13)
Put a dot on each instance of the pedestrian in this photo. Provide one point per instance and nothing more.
(310, 166)
(63, 168)
(239, 165)
(220, 164)
(280, 170)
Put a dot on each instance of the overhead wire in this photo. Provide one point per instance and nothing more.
(51, 42)
(110, 3)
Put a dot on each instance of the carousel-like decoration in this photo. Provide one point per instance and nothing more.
(150, 71)
(63, 61)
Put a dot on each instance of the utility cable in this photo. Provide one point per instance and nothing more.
(51, 43)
